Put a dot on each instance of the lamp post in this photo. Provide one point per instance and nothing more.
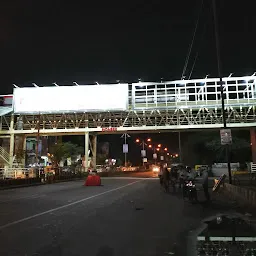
(217, 41)
(154, 151)
(143, 144)
(125, 147)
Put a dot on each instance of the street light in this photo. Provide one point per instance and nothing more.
(154, 150)
(143, 151)
(165, 149)
(158, 149)
(159, 145)
(148, 140)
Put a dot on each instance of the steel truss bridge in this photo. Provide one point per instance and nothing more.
(164, 106)
(174, 105)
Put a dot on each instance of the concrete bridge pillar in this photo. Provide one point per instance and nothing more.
(253, 143)
(94, 150)
(11, 148)
(86, 151)
(24, 147)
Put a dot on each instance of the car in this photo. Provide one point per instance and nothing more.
(155, 169)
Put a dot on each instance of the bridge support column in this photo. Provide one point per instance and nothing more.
(86, 151)
(24, 147)
(11, 149)
(94, 150)
(253, 144)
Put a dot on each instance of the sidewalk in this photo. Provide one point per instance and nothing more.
(224, 201)
(37, 184)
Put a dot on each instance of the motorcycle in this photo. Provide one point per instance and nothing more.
(189, 190)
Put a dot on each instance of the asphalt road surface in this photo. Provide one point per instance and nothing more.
(124, 216)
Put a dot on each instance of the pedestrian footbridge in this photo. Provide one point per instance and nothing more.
(136, 107)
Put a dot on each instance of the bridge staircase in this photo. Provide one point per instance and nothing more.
(5, 158)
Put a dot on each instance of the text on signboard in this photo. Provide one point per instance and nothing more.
(109, 129)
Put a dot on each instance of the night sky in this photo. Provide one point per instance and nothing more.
(105, 41)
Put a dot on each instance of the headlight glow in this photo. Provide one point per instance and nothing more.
(156, 169)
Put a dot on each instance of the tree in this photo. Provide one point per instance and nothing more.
(19, 151)
(101, 158)
(205, 147)
(119, 162)
(63, 150)
(237, 149)
(20, 155)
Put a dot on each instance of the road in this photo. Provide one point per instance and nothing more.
(121, 217)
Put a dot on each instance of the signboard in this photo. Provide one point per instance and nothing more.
(61, 164)
(143, 153)
(145, 160)
(155, 156)
(225, 136)
(109, 129)
(6, 100)
(162, 158)
(219, 182)
(59, 99)
(125, 148)
(69, 161)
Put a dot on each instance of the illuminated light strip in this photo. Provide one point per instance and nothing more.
(217, 238)
(221, 238)
(245, 239)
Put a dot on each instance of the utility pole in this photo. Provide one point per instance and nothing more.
(180, 151)
(143, 148)
(155, 154)
(217, 41)
(125, 147)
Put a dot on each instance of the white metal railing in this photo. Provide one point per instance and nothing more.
(253, 168)
(196, 92)
(17, 173)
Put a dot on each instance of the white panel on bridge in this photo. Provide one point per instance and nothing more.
(82, 98)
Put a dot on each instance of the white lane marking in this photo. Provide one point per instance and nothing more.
(63, 206)
(128, 178)
(20, 198)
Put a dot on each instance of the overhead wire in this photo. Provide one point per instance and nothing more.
(197, 53)
(199, 44)
(192, 42)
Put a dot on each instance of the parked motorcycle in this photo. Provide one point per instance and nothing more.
(189, 190)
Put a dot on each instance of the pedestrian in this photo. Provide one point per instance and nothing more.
(166, 178)
(160, 175)
(182, 175)
(205, 184)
